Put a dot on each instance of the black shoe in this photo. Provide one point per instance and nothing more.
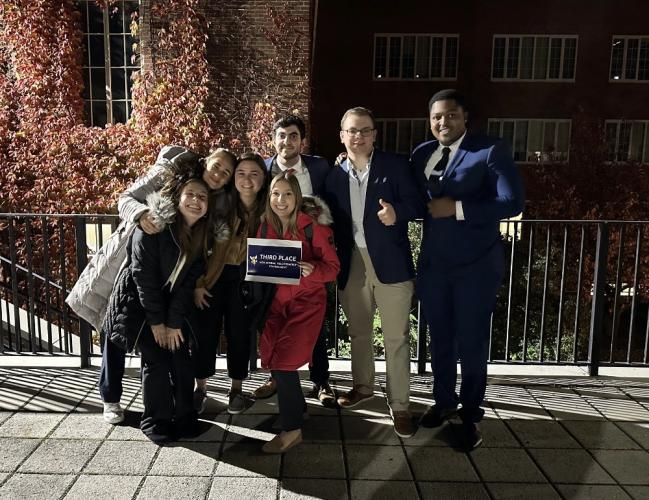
(470, 435)
(199, 400)
(436, 416)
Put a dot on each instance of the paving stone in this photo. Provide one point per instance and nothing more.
(506, 464)
(325, 489)
(315, 460)
(638, 492)
(383, 490)
(188, 459)
(440, 464)
(60, 395)
(247, 459)
(442, 436)
(320, 429)
(516, 491)
(30, 425)
(123, 432)
(639, 431)
(495, 434)
(13, 398)
(377, 462)
(566, 405)
(627, 466)
(122, 457)
(35, 486)
(366, 430)
(238, 488)
(620, 408)
(521, 410)
(600, 435)
(571, 466)
(14, 450)
(251, 428)
(545, 434)
(60, 456)
(5, 415)
(104, 487)
(592, 492)
(82, 426)
(456, 491)
(212, 429)
(157, 487)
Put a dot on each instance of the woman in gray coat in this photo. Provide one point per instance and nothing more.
(89, 296)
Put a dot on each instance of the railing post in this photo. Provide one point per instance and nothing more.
(85, 330)
(422, 351)
(599, 299)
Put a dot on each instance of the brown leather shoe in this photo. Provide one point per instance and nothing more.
(276, 445)
(354, 397)
(403, 425)
(326, 395)
(266, 390)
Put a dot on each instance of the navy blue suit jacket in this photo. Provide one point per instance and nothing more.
(390, 179)
(318, 169)
(483, 176)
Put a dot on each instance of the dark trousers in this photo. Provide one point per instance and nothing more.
(457, 305)
(290, 399)
(112, 372)
(225, 311)
(319, 368)
(167, 386)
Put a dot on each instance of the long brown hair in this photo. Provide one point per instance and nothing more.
(238, 208)
(272, 218)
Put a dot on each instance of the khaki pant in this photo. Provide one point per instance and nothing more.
(360, 298)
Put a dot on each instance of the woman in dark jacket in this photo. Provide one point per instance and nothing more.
(151, 300)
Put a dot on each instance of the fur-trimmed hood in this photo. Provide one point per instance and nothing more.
(161, 209)
(319, 211)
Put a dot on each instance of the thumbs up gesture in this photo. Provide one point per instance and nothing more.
(387, 214)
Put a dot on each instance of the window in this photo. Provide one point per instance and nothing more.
(627, 140)
(533, 140)
(534, 57)
(109, 61)
(415, 57)
(401, 135)
(630, 59)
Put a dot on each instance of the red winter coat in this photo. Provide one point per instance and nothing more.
(297, 311)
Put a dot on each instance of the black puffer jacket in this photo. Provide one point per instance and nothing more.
(142, 293)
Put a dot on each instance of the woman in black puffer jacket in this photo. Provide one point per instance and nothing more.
(151, 300)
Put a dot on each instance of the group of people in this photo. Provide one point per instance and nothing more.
(173, 274)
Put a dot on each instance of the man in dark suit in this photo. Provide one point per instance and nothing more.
(289, 136)
(372, 196)
(471, 183)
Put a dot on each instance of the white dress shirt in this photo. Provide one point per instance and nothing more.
(357, 192)
(301, 174)
(432, 161)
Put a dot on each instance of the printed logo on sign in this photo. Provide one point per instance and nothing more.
(253, 260)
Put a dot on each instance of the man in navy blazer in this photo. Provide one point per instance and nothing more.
(372, 196)
(289, 135)
(471, 182)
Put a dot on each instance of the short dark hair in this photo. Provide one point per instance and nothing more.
(448, 95)
(358, 111)
(287, 121)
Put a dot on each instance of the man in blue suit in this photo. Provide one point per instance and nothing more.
(289, 135)
(372, 196)
(471, 183)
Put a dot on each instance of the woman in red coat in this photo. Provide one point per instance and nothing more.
(296, 313)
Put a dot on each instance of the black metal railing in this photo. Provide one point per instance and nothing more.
(574, 292)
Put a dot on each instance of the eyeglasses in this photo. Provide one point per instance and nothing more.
(364, 132)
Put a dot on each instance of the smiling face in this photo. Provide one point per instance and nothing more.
(358, 135)
(218, 171)
(282, 200)
(288, 143)
(447, 121)
(248, 178)
(193, 202)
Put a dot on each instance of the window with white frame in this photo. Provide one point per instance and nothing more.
(415, 57)
(627, 140)
(630, 59)
(532, 140)
(534, 57)
(401, 135)
(109, 60)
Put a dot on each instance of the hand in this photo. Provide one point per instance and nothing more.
(160, 335)
(174, 339)
(200, 297)
(147, 224)
(306, 268)
(441, 207)
(387, 215)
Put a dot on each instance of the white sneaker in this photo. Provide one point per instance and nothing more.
(113, 413)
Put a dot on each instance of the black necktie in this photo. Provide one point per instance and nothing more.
(443, 161)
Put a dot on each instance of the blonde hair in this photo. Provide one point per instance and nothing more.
(271, 217)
